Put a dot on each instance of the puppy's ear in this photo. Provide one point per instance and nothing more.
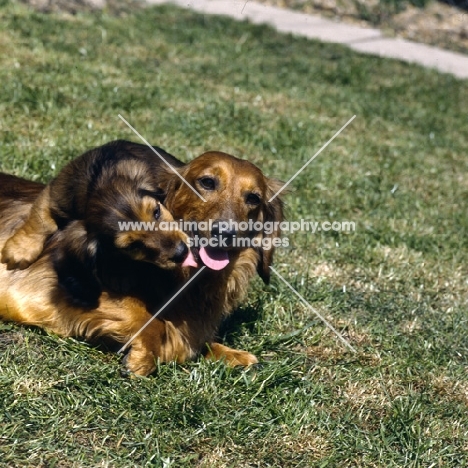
(272, 212)
(169, 183)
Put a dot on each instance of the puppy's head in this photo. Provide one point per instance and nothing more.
(237, 205)
(129, 216)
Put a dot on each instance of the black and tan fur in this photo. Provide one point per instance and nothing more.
(189, 325)
(102, 188)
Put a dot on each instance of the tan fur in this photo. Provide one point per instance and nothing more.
(25, 246)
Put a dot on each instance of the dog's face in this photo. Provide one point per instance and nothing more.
(237, 196)
(129, 216)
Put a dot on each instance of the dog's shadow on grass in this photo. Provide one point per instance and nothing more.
(241, 320)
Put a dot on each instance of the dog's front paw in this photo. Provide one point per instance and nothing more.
(139, 362)
(232, 357)
(159, 341)
(21, 250)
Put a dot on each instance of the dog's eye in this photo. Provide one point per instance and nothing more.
(208, 183)
(157, 212)
(252, 199)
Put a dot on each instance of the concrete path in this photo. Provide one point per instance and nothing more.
(365, 40)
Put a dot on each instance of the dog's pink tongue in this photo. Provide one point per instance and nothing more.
(214, 258)
(190, 260)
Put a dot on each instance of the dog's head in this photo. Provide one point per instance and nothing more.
(234, 212)
(128, 216)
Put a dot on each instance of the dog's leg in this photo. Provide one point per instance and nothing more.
(160, 340)
(27, 243)
(145, 349)
(233, 357)
(128, 319)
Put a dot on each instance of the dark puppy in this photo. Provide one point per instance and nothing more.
(105, 189)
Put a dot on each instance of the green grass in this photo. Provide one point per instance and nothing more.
(396, 288)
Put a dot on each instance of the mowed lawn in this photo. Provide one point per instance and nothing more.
(396, 288)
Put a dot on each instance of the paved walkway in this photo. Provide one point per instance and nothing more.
(365, 40)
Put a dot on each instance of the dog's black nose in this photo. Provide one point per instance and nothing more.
(223, 228)
(181, 253)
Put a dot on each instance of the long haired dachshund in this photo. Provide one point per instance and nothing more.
(233, 189)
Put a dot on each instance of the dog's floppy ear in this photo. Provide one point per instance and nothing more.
(272, 212)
